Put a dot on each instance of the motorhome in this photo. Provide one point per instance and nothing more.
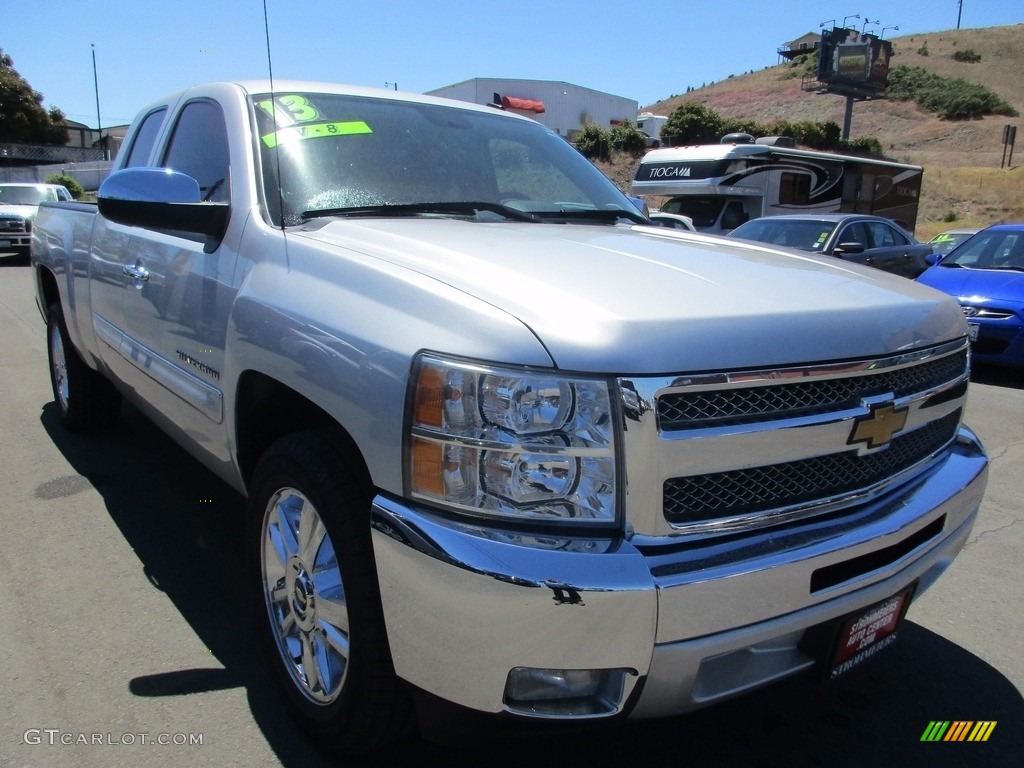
(720, 186)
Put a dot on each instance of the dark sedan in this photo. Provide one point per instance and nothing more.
(986, 275)
(859, 238)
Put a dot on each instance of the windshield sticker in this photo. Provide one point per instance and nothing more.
(821, 240)
(289, 109)
(314, 131)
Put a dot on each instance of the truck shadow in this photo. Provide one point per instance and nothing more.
(997, 376)
(184, 525)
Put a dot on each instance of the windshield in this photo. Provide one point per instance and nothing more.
(792, 233)
(703, 211)
(351, 155)
(26, 195)
(992, 249)
(947, 241)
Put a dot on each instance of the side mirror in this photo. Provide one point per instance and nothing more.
(159, 198)
(848, 248)
(932, 259)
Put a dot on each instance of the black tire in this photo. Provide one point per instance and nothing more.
(318, 606)
(85, 399)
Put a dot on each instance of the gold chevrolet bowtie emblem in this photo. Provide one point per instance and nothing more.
(877, 428)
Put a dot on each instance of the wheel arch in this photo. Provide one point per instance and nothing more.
(267, 410)
(48, 292)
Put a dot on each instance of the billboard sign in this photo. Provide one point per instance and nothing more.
(854, 62)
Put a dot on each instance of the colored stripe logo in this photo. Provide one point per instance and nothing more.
(959, 730)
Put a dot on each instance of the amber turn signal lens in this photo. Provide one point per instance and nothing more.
(427, 467)
(430, 397)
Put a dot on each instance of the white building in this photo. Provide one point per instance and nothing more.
(563, 107)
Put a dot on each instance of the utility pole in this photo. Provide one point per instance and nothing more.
(959, 10)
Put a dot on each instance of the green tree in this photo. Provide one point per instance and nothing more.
(593, 142)
(23, 118)
(692, 123)
(626, 137)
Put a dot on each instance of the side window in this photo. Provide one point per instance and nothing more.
(794, 188)
(145, 137)
(854, 233)
(882, 235)
(199, 148)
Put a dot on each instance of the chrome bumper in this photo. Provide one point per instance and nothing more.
(465, 605)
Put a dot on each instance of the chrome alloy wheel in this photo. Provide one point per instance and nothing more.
(59, 365)
(305, 596)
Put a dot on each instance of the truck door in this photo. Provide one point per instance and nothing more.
(177, 302)
(107, 281)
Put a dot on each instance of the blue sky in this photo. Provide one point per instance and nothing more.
(146, 48)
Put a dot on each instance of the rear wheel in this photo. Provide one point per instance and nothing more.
(318, 603)
(85, 399)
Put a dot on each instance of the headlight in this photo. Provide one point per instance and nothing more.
(512, 444)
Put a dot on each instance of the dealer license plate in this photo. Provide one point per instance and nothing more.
(869, 631)
(972, 331)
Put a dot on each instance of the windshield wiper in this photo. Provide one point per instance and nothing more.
(455, 208)
(1007, 268)
(603, 215)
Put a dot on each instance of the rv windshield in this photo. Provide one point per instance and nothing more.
(703, 210)
(341, 155)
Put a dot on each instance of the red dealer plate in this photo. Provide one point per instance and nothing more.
(869, 631)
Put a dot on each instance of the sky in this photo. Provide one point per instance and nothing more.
(647, 51)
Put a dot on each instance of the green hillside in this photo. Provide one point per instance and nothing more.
(963, 182)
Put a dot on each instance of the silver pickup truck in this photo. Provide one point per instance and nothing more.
(504, 443)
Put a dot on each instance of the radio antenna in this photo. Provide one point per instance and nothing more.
(273, 109)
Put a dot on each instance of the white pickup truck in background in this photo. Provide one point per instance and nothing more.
(19, 203)
(505, 443)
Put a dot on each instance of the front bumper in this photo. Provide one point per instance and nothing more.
(465, 605)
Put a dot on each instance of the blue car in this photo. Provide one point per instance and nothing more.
(985, 273)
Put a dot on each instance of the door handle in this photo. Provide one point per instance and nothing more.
(136, 272)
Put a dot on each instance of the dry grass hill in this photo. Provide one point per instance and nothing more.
(963, 181)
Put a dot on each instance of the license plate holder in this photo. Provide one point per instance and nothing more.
(863, 634)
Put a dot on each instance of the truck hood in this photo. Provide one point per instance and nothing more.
(645, 300)
(27, 211)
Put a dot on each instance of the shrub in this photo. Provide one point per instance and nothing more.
(923, 50)
(950, 217)
(593, 142)
(692, 123)
(866, 146)
(77, 190)
(626, 137)
(969, 56)
(952, 98)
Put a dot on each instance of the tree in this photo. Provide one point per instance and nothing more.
(23, 118)
(626, 137)
(692, 123)
(593, 142)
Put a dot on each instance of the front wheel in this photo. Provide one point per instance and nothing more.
(318, 602)
(85, 399)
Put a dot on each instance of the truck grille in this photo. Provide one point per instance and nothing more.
(697, 410)
(734, 451)
(760, 489)
(13, 225)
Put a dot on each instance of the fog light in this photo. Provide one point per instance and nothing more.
(565, 692)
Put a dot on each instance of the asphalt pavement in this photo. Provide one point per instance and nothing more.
(124, 640)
